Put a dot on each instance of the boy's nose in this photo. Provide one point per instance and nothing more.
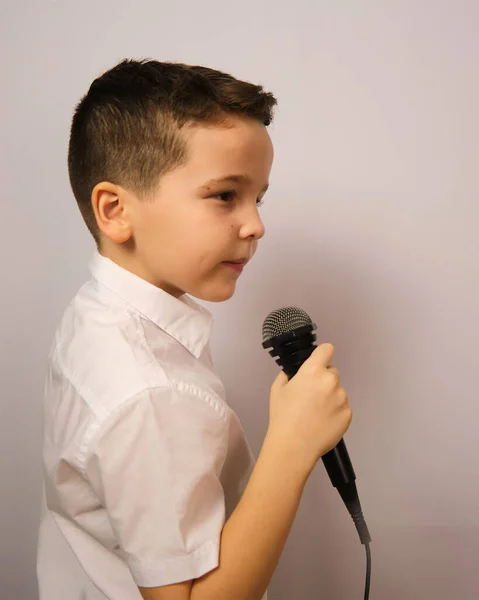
(252, 226)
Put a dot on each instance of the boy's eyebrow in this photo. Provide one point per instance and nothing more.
(229, 179)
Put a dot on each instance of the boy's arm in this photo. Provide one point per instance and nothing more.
(254, 536)
(308, 417)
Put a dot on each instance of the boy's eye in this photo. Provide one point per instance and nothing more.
(226, 196)
(231, 195)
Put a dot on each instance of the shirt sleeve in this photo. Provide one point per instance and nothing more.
(155, 465)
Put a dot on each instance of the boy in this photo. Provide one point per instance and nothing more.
(150, 489)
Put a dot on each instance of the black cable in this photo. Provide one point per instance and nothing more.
(368, 571)
(350, 497)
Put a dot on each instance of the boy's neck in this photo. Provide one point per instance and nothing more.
(125, 257)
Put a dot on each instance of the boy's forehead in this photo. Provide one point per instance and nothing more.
(239, 143)
(232, 133)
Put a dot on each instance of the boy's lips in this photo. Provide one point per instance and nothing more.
(239, 261)
(237, 265)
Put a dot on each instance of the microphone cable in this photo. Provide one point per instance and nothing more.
(368, 572)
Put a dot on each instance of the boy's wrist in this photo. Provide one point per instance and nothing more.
(289, 459)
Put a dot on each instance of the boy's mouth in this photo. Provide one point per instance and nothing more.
(237, 265)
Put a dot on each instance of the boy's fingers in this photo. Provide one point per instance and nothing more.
(322, 356)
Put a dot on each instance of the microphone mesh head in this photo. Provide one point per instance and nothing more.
(284, 320)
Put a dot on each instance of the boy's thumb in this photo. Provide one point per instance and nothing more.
(280, 381)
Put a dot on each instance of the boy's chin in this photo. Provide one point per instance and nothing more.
(216, 292)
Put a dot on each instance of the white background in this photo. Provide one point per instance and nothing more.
(372, 227)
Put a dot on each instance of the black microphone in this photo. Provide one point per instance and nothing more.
(289, 333)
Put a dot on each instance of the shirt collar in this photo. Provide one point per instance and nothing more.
(182, 318)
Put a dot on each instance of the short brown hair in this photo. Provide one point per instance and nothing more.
(126, 129)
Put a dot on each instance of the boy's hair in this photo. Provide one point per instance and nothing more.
(126, 129)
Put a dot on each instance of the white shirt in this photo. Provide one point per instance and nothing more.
(143, 458)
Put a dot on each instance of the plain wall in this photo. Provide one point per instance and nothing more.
(372, 221)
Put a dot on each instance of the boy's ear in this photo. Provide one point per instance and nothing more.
(109, 203)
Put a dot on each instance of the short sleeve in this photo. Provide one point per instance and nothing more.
(155, 465)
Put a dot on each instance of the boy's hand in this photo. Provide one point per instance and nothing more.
(310, 413)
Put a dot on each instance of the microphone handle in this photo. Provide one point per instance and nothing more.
(338, 465)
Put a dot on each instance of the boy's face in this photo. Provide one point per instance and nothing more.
(204, 215)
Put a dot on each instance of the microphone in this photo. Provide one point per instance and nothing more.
(289, 333)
